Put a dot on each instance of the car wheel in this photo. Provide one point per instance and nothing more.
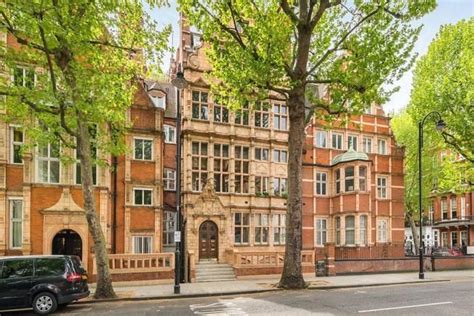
(45, 303)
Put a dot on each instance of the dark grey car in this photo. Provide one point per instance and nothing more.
(41, 282)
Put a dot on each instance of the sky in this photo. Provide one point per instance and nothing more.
(447, 12)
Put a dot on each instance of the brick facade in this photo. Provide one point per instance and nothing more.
(452, 217)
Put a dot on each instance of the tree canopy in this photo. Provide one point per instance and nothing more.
(285, 48)
(444, 82)
(75, 67)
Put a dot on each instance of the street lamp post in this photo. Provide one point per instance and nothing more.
(179, 83)
(440, 125)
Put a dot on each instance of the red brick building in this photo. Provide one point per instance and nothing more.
(353, 188)
(452, 216)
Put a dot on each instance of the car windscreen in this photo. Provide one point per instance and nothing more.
(50, 267)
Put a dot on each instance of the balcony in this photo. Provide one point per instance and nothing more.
(453, 222)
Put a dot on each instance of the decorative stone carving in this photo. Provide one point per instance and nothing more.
(65, 205)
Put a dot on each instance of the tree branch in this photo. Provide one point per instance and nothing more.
(289, 12)
(21, 40)
(110, 44)
(343, 38)
(451, 140)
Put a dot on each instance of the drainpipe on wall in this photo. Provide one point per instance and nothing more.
(114, 203)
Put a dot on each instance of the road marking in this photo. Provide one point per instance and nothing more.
(403, 307)
(219, 308)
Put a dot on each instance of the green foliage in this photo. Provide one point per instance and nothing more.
(355, 47)
(444, 82)
(441, 172)
(88, 57)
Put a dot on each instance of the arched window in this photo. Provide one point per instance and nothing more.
(362, 178)
(350, 230)
(349, 179)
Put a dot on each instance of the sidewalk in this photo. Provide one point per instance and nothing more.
(151, 290)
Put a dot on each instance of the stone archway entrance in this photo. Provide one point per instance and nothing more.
(67, 242)
(208, 240)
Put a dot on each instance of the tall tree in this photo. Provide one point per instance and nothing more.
(81, 61)
(283, 47)
(444, 81)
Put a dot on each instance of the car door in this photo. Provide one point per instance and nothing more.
(15, 282)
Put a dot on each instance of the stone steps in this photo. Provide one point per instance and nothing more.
(211, 271)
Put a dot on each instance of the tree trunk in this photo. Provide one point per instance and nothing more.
(104, 287)
(414, 232)
(292, 275)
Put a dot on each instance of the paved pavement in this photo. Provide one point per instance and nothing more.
(436, 298)
(149, 290)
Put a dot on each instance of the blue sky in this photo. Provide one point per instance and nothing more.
(447, 12)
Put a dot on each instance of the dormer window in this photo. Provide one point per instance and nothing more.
(196, 40)
(159, 101)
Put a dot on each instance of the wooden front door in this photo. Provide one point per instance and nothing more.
(208, 240)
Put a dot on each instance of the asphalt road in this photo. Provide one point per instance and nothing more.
(440, 298)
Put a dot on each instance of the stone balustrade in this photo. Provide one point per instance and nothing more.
(139, 263)
(269, 259)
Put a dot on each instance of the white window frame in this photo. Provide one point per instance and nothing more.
(367, 144)
(49, 159)
(349, 142)
(444, 239)
(262, 150)
(12, 220)
(261, 224)
(143, 196)
(280, 186)
(142, 238)
(280, 116)
(24, 68)
(166, 131)
(453, 208)
(169, 176)
(382, 190)
(77, 164)
(262, 188)
(382, 230)
(321, 140)
(14, 143)
(321, 183)
(454, 233)
(463, 207)
(348, 229)
(337, 138)
(321, 232)
(279, 229)
(159, 101)
(280, 160)
(143, 148)
(382, 146)
(444, 209)
(242, 227)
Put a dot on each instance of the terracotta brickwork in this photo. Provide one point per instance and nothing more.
(41, 199)
(224, 168)
(452, 217)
